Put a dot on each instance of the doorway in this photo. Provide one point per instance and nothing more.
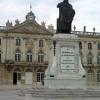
(28, 76)
(16, 76)
(40, 76)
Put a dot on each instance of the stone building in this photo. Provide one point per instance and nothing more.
(90, 54)
(24, 51)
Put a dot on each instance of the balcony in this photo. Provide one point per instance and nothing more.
(43, 63)
(24, 63)
(31, 63)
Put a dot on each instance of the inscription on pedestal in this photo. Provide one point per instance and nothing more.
(67, 59)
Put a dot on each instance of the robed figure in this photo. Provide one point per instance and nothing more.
(66, 14)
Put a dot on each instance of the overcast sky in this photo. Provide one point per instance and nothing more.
(87, 12)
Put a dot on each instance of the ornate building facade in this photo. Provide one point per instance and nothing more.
(90, 54)
(24, 52)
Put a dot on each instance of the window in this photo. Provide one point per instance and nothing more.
(40, 57)
(98, 46)
(80, 45)
(90, 75)
(89, 58)
(98, 76)
(0, 41)
(89, 46)
(0, 56)
(29, 56)
(18, 42)
(98, 58)
(18, 55)
(40, 75)
(40, 43)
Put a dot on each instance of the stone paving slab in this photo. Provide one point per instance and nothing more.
(13, 95)
(51, 93)
(10, 95)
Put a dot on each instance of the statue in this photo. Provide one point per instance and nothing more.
(66, 14)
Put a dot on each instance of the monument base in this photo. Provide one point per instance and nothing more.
(65, 70)
(65, 83)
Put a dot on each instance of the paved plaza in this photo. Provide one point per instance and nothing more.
(10, 95)
(14, 95)
(48, 94)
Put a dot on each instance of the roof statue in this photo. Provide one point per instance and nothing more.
(66, 14)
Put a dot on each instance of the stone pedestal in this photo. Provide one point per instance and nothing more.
(65, 69)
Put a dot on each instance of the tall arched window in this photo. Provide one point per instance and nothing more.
(40, 43)
(89, 46)
(40, 75)
(90, 75)
(29, 56)
(40, 57)
(0, 41)
(17, 55)
(90, 58)
(98, 76)
(98, 46)
(98, 58)
(80, 45)
(18, 42)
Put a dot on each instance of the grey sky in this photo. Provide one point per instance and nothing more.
(87, 12)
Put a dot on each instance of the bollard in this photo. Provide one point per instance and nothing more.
(28, 96)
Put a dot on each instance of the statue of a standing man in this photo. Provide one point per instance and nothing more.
(66, 14)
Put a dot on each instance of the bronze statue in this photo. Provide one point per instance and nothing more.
(66, 14)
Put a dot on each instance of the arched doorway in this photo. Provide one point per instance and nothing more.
(90, 76)
(16, 76)
(40, 76)
(28, 76)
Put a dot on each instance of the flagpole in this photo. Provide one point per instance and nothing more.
(30, 7)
